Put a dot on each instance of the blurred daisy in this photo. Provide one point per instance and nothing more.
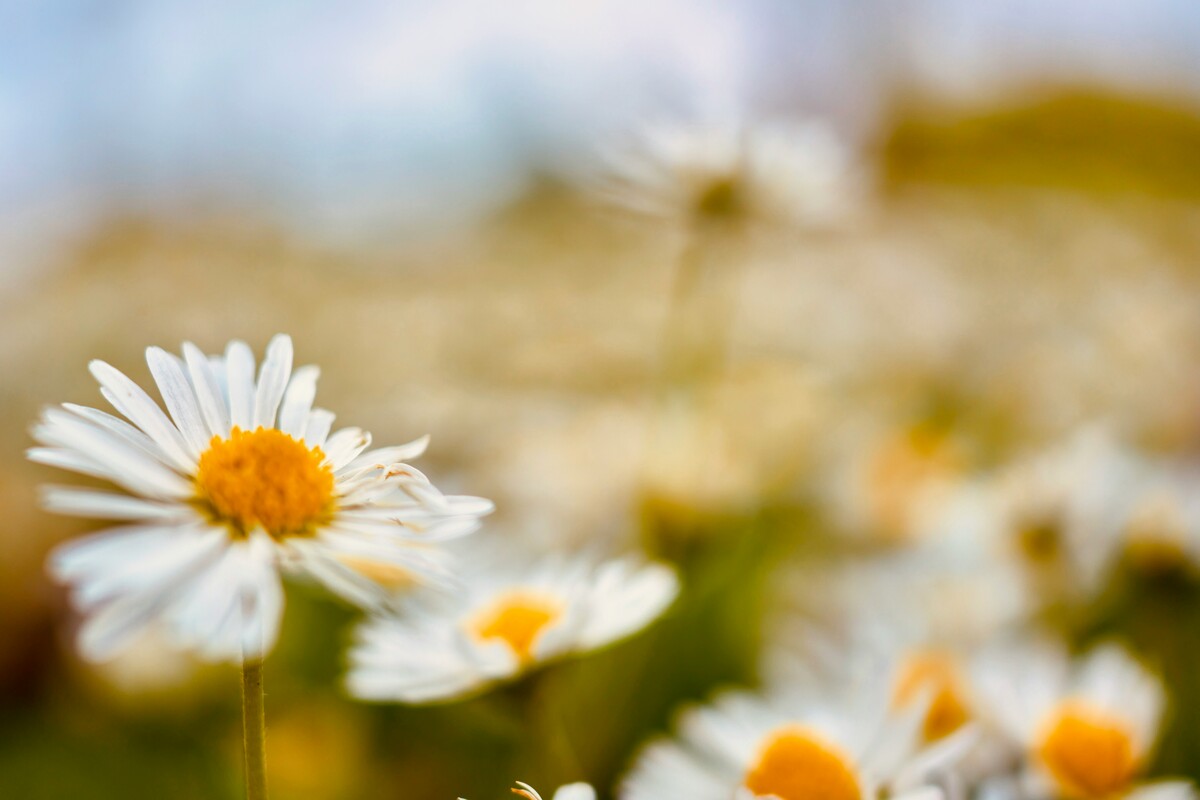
(509, 617)
(907, 623)
(1161, 533)
(239, 479)
(743, 747)
(1061, 511)
(895, 485)
(1087, 727)
(797, 172)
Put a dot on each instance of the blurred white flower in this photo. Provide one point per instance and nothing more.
(509, 616)
(239, 480)
(1161, 532)
(1062, 510)
(796, 172)
(895, 484)
(1087, 727)
(743, 746)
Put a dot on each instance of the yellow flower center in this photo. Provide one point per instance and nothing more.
(1040, 539)
(265, 479)
(518, 620)
(795, 764)
(1088, 752)
(936, 673)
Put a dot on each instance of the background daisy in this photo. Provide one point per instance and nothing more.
(508, 616)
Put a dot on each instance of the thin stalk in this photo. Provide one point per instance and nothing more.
(255, 729)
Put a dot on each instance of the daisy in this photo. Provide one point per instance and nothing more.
(744, 746)
(1087, 727)
(1062, 510)
(1161, 533)
(800, 172)
(237, 481)
(509, 617)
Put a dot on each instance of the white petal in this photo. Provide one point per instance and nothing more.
(179, 397)
(233, 610)
(210, 397)
(105, 633)
(624, 598)
(239, 377)
(344, 446)
(297, 401)
(317, 430)
(575, 791)
(261, 599)
(338, 578)
(70, 460)
(136, 406)
(161, 563)
(106, 505)
(123, 430)
(386, 456)
(272, 380)
(116, 623)
(127, 465)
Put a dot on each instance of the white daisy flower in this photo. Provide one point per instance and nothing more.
(896, 484)
(238, 480)
(1062, 510)
(800, 172)
(508, 617)
(1087, 728)
(745, 747)
(1161, 533)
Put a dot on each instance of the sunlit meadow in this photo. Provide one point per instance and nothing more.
(602, 400)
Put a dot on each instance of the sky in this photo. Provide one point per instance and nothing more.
(344, 120)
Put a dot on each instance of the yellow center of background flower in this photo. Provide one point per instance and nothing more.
(1088, 752)
(265, 479)
(518, 620)
(936, 673)
(796, 765)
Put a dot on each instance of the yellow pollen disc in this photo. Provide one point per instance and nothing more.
(935, 673)
(265, 479)
(794, 764)
(1040, 539)
(517, 620)
(1089, 753)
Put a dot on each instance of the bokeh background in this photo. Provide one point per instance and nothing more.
(403, 188)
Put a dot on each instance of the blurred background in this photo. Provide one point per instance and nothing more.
(405, 188)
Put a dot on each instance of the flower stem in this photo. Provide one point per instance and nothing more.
(255, 730)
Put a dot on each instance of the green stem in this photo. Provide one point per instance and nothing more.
(255, 730)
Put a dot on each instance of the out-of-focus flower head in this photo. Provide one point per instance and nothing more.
(1062, 510)
(896, 485)
(1161, 533)
(744, 746)
(510, 615)
(799, 172)
(1087, 727)
(237, 481)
